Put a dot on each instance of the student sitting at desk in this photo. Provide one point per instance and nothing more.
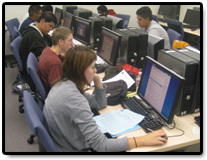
(104, 11)
(68, 113)
(35, 12)
(144, 20)
(50, 62)
(34, 39)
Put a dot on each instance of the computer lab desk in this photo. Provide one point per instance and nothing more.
(186, 30)
(192, 37)
(186, 123)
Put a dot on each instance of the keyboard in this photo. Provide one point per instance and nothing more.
(151, 121)
(197, 120)
(162, 20)
(193, 28)
(101, 67)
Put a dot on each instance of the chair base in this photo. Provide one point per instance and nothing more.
(30, 140)
(21, 110)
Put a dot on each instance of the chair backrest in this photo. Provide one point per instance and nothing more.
(154, 17)
(10, 25)
(32, 64)
(17, 31)
(176, 26)
(15, 45)
(34, 117)
(125, 18)
(173, 35)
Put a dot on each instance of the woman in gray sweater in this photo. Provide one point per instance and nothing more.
(68, 113)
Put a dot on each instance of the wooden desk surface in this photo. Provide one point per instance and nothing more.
(187, 30)
(186, 123)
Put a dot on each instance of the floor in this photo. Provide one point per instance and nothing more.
(16, 128)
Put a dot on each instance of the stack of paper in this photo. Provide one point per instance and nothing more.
(118, 122)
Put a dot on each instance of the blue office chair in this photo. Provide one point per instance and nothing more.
(34, 117)
(32, 64)
(17, 31)
(15, 45)
(173, 35)
(11, 24)
(176, 26)
(125, 18)
(154, 17)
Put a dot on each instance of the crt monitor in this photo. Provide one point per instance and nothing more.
(106, 22)
(83, 13)
(117, 22)
(71, 9)
(109, 46)
(69, 21)
(155, 43)
(68, 8)
(59, 15)
(192, 17)
(165, 10)
(82, 30)
(160, 88)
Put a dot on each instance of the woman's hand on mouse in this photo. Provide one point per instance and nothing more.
(153, 138)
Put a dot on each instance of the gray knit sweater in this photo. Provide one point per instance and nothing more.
(70, 120)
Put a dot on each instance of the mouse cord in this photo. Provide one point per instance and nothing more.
(176, 128)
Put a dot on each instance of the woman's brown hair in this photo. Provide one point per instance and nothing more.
(76, 61)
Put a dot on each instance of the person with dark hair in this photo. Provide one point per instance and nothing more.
(34, 13)
(103, 11)
(144, 20)
(34, 39)
(68, 114)
(47, 8)
(50, 62)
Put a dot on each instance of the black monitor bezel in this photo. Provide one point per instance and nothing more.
(176, 100)
(187, 15)
(159, 41)
(88, 33)
(161, 8)
(101, 42)
(61, 14)
(71, 27)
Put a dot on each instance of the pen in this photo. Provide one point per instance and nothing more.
(150, 130)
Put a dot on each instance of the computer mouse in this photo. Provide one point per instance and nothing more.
(164, 137)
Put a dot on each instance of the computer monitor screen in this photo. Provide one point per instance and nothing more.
(69, 21)
(155, 43)
(165, 10)
(109, 46)
(160, 88)
(82, 30)
(59, 15)
(192, 17)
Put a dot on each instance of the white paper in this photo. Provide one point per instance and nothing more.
(123, 75)
(99, 60)
(118, 121)
(76, 42)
